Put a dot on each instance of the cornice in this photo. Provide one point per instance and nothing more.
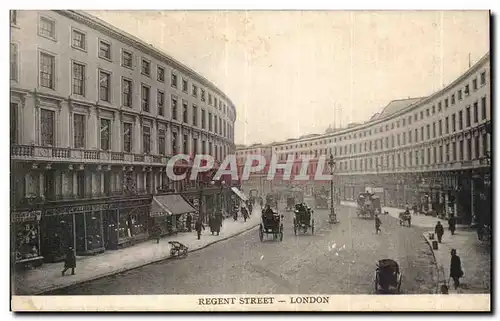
(107, 29)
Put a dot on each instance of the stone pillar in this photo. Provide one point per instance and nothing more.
(58, 184)
(30, 184)
(145, 180)
(168, 138)
(137, 137)
(180, 137)
(93, 128)
(75, 184)
(154, 138)
(41, 184)
(102, 182)
(190, 143)
(96, 186)
(116, 133)
(155, 182)
(65, 188)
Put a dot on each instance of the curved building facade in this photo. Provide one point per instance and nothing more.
(95, 115)
(431, 152)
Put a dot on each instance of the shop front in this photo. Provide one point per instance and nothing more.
(25, 227)
(166, 212)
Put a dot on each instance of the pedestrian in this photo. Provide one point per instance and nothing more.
(439, 230)
(455, 268)
(69, 261)
(156, 231)
(198, 227)
(188, 222)
(377, 224)
(452, 224)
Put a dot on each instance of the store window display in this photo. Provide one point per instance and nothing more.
(27, 240)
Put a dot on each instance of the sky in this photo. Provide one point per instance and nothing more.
(292, 73)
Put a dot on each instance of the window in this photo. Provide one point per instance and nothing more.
(126, 59)
(47, 69)
(447, 152)
(184, 144)
(79, 130)
(454, 151)
(453, 123)
(174, 143)
(215, 124)
(104, 50)
(79, 40)
(210, 148)
(434, 130)
(161, 141)
(225, 127)
(13, 17)
(127, 92)
(409, 120)
(422, 133)
(209, 98)
(440, 126)
(483, 78)
(194, 90)
(446, 103)
(13, 62)
(202, 94)
(453, 99)
(195, 115)
(466, 90)
(160, 101)
(78, 79)
(146, 139)
(47, 28)
(203, 119)
(215, 101)
(160, 74)
(459, 93)
(127, 137)
(476, 147)
(145, 67)
(174, 108)
(173, 80)
(145, 98)
(13, 123)
(483, 108)
(474, 84)
(439, 107)
(427, 112)
(195, 146)
(433, 109)
(105, 134)
(203, 147)
(485, 144)
(460, 120)
(467, 116)
(104, 90)
(184, 85)
(210, 121)
(184, 112)
(476, 113)
(428, 130)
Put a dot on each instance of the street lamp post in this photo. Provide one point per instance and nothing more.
(333, 216)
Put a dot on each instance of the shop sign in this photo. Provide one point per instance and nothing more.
(158, 214)
(92, 208)
(378, 190)
(26, 216)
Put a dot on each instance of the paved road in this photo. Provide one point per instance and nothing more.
(337, 259)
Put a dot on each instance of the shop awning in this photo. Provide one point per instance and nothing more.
(165, 205)
(239, 193)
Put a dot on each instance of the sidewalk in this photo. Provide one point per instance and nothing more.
(474, 254)
(48, 276)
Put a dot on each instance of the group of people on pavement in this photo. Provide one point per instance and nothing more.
(456, 271)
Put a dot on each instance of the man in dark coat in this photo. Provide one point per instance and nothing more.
(198, 227)
(452, 224)
(188, 222)
(69, 261)
(455, 268)
(378, 222)
(439, 230)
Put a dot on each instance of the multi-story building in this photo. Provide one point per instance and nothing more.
(95, 115)
(257, 180)
(432, 152)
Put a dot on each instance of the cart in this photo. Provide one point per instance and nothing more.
(271, 224)
(178, 249)
(405, 219)
(303, 219)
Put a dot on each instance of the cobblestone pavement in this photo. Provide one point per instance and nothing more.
(338, 259)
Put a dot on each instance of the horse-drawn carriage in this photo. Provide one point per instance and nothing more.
(405, 218)
(272, 224)
(387, 275)
(368, 205)
(321, 201)
(303, 219)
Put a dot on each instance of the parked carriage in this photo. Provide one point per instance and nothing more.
(272, 224)
(368, 205)
(405, 218)
(303, 219)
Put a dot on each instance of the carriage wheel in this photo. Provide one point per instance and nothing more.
(261, 234)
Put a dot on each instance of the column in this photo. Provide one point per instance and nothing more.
(29, 113)
(65, 124)
(41, 183)
(30, 184)
(93, 127)
(190, 143)
(116, 133)
(96, 186)
(154, 138)
(180, 146)
(102, 182)
(58, 184)
(75, 183)
(168, 138)
(155, 182)
(160, 178)
(137, 137)
(65, 188)
(144, 181)
(138, 181)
